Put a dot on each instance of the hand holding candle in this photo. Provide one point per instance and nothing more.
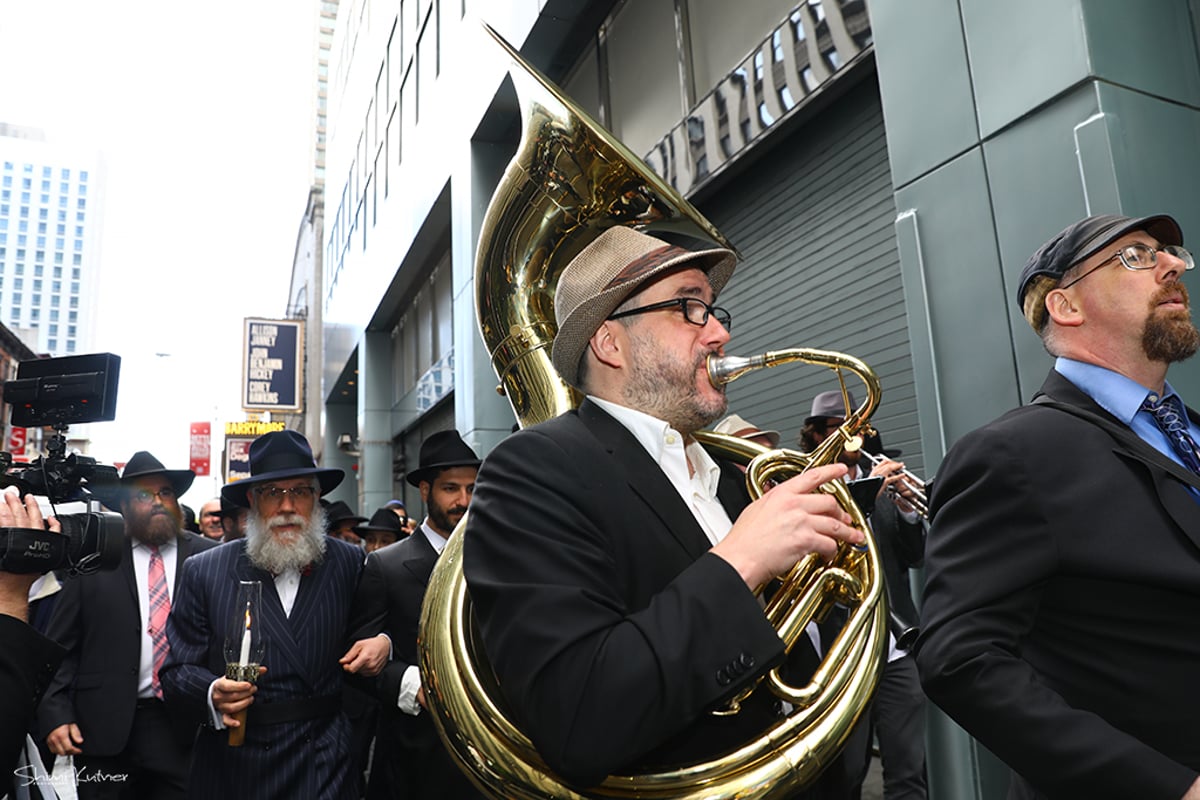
(233, 695)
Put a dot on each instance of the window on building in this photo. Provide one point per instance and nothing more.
(52, 344)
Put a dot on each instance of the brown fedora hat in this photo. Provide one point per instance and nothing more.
(610, 269)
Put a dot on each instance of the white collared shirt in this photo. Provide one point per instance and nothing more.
(697, 485)
(287, 586)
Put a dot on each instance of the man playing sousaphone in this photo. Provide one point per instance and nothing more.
(611, 561)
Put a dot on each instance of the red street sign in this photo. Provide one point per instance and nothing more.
(16, 441)
(201, 437)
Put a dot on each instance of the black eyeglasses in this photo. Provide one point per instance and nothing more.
(695, 311)
(1137, 257)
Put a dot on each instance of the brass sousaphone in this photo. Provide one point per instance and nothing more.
(568, 182)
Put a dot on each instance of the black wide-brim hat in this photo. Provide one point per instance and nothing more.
(276, 456)
(439, 451)
(382, 520)
(143, 465)
(338, 512)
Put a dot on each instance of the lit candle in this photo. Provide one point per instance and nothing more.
(246, 641)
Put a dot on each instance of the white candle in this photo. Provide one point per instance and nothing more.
(246, 642)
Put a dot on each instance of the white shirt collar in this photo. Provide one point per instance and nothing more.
(435, 539)
(667, 447)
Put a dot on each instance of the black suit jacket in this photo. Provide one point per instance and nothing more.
(901, 547)
(27, 662)
(389, 599)
(1061, 617)
(96, 618)
(611, 629)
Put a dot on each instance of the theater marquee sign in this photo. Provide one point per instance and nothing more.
(272, 364)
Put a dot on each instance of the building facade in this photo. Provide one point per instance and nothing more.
(51, 198)
(884, 170)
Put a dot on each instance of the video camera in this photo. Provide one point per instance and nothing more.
(56, 392)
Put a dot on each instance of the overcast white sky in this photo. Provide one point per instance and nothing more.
(203, 114)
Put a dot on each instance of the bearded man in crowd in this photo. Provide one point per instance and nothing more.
(297, 739)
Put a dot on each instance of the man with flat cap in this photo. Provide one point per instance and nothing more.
(1061, 617)
(393, 585)
(611, 561)
(104, 706)
(297, 739)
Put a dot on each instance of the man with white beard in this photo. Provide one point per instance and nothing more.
(297, 739)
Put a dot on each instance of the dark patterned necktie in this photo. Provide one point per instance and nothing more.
(1168, 414)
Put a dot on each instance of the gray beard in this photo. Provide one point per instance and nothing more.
(665, 389)
(267, 552)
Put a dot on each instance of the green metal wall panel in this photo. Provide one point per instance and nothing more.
(926, 90)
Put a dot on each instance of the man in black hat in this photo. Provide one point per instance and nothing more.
(297, 740)
(391, 593)
(342, 520)
(104, 706)
(896, 717)
(611, 561)
(384, 528)
(1061, 617)
(233, 520)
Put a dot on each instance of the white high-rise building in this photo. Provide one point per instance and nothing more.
(51, 198)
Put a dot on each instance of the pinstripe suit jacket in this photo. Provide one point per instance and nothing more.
(307, 758)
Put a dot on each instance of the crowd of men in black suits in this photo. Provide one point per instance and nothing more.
(612, 565)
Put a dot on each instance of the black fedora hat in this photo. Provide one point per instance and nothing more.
(276, 456)
(382, 520)
(143, 465)
(338, 512)
(442, 450)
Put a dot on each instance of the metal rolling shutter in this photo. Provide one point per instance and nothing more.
(814, 219)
